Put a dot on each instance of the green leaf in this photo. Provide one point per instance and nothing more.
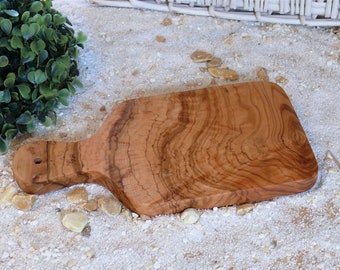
(16, 42)
(29, 31)
(30, 127)
(11, 12)
(6, 127)
(15, 95)
(9, 82)
(43, 55)
(6, 26)
(24, 90)
(11, 75)
(36, 7)
(25, 118)
(40, 76)
(16, 32)
(5, 96)
(34, 28)
(48, 121)
(41, 45)
(3, 61)
(36, 77)
(57, 69)
(49, 34)
(63, 96)
(58, 19)
(47, 92)
(35, 94)
(63, 40)
(71, 88)
(5, 44)
(25, 16)
(37, 46)
(31, 77)
(47, 19)
(11, 133)
(3, 145)
(27, 55)
(81, 37)
(25, 32)
(77, 83)
(29, 58)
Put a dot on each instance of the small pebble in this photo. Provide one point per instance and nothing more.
(161, 39)
(190, 216)
(262, 74)
(90, 206)
(134, 215)
(201, 56)
(281, 79)
(144, 217)
(167, 21)
(77, 195)
(215, 62)
(90, 254)
(228, 41)
(86, 231)
(7, 195)
(35, 246)
(110, 205)
(24, 202)
(71, 263)
(102, 109)
(331, 170)
(244, 209)
(127, 214)
(224, 73)
(75, 221)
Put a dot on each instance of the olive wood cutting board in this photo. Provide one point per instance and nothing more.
(215, 146)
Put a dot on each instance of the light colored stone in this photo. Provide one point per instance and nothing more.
(144, 217)
(23, 202)
(71, 263)
(75, 221)
(244, 209)
(201, 56)
(77, 195)
(7, 195)
(110, 205)
(262, 74)
(223, 73)
(215, 62)
(190, 216)
(127, 214)
(90, 254)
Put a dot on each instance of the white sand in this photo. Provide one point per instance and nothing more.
(122, 59)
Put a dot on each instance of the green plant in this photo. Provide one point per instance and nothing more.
(38, 65)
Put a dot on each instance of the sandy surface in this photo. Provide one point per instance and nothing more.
(123, 59)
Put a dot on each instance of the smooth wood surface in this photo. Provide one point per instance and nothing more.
(204, 148)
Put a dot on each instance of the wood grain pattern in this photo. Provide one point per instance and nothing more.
(204, 148)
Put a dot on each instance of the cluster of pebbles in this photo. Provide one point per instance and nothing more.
(76, 220)
(217, 69)
(214, 65)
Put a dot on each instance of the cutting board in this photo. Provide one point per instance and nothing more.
(210, 147)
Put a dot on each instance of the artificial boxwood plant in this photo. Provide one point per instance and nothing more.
(38, 65)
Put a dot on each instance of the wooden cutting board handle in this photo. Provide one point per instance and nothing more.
(210, 147)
